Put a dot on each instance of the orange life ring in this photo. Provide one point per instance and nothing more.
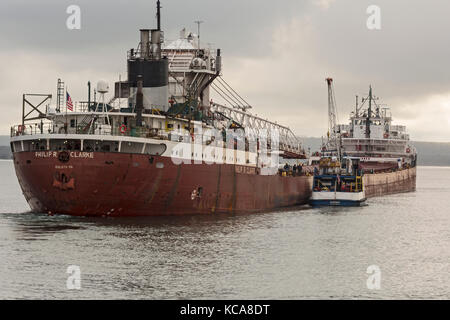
(408, 150)
(20, 128)
(386, 135)
(123, 129)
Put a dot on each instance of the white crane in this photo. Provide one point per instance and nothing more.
(333, 143)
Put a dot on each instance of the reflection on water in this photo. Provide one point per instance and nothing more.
(295, 253)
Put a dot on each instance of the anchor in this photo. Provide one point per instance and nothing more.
(63, 181)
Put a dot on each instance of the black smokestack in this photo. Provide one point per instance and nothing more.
(158, 14)
(139, 102)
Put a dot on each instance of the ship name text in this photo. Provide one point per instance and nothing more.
(73, 154)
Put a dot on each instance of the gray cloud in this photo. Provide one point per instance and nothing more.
(235, 24)
(277, 54)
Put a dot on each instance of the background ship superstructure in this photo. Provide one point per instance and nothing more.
(159, 146)
(383, 150)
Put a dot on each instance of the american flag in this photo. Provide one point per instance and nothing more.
(69, 102)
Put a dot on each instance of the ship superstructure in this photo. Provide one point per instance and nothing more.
(382, 150)
(371, 136)
(159, 146)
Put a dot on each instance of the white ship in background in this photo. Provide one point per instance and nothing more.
(371, 137)
(371, 147)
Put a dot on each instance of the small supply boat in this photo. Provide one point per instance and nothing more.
(334, 185)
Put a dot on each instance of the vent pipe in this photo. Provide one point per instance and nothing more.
(145, 43)
(218, 62)
(139, 102)
(156, 40)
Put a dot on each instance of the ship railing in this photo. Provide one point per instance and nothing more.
(180, 61)
(398, 128)
(137, 54)
(60, 128)
(352, 141)
(78, 106)
(53, 128)
(83, 106)
(380, 153)
(32, 129)
(285, 148)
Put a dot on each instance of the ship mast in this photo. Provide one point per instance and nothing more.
(369, 113)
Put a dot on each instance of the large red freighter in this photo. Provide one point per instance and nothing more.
(160, 146)
(134, 184)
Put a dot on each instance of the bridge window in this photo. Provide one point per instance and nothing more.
(131, 147)
(62, 144)
(100, 146)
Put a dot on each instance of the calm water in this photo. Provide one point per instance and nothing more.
(301, 253)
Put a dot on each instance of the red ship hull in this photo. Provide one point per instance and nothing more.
(117, 184)
(383, 183)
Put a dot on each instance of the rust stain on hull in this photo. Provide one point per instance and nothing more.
(173, 190)
(216, 203)
(155, 187)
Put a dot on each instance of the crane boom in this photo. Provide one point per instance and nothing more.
(333, 138)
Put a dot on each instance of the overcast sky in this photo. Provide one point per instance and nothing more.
(277, 54)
